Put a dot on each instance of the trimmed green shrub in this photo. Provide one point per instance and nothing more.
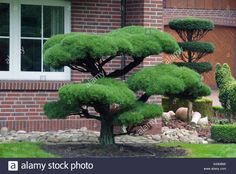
(199, 47)
(219, 111)
(200, 67)
(224, 133)
(191, 30)
(169, 80)
(190, 23)
(202, 105)
(227, 89)
(79, 50)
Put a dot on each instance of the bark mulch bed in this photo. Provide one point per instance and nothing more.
(96, 150)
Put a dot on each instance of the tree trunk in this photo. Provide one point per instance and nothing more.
(190, 111)
(106, 133)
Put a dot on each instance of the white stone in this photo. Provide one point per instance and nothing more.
(21, 132)
(166, 116)
(4, 131)
(171, 113)
(196, 117)
(83, 129)
(203, 121)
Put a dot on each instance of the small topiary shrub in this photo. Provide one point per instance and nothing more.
(227, 89)
(191, 31)
(224, 133)
(202, 105)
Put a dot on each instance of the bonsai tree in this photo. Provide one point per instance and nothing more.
(191, 30)
(227, 89)
(171, 81)
(114, 101)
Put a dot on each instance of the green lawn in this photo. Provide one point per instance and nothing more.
(33, 150)
(23, 150)
(207, 150)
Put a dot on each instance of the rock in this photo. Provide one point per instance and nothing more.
(83, 129)
(210, 141)
(196, 117)
(182, 113)
(171, 113)
(204, 142)
(4, 131)
(156, 137)
(166, 116)
(52, 139)
(203, 121)
(21, 132)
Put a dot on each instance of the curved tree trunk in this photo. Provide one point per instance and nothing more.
(106, 133)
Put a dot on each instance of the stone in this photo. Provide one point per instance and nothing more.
(166, 116)
(83, 129)
(196, 117)
(182, 113)
(210, 141)
(156, 137)
(203, 121)
(204, 142)
(4, 131)
(21, 132)
(171, 113)
(52, 139)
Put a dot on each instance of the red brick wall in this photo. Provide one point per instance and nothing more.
(95, 16)
(220, 17)
(21, 103)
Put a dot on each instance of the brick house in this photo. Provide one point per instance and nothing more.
(26, 85)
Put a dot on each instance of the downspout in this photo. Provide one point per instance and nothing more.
(123, 24)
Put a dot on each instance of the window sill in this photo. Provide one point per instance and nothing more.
(14, 85)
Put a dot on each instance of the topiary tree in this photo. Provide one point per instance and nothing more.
(227, 89)
(114, 101)
(191, 30)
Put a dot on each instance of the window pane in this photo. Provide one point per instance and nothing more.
(4, 54)
(30, 21)
(30, 55)
(4, 19)
(53, 21)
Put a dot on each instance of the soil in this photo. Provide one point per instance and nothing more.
(96, 150)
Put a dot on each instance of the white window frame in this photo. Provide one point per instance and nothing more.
(15, 72)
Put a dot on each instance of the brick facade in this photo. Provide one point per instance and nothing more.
(219, 17)
(21, 103)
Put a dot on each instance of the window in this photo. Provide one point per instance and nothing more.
(25, 26)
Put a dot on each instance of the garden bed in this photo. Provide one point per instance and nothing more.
(96, 150)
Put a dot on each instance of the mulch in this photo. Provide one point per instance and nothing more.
(96, 150)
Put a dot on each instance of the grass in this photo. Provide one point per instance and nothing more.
(23, 150)
(206, 150)
(33, 150)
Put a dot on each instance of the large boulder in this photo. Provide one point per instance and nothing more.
(182, 114)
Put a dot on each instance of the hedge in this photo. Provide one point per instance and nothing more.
(203, 105)
(224, 133)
